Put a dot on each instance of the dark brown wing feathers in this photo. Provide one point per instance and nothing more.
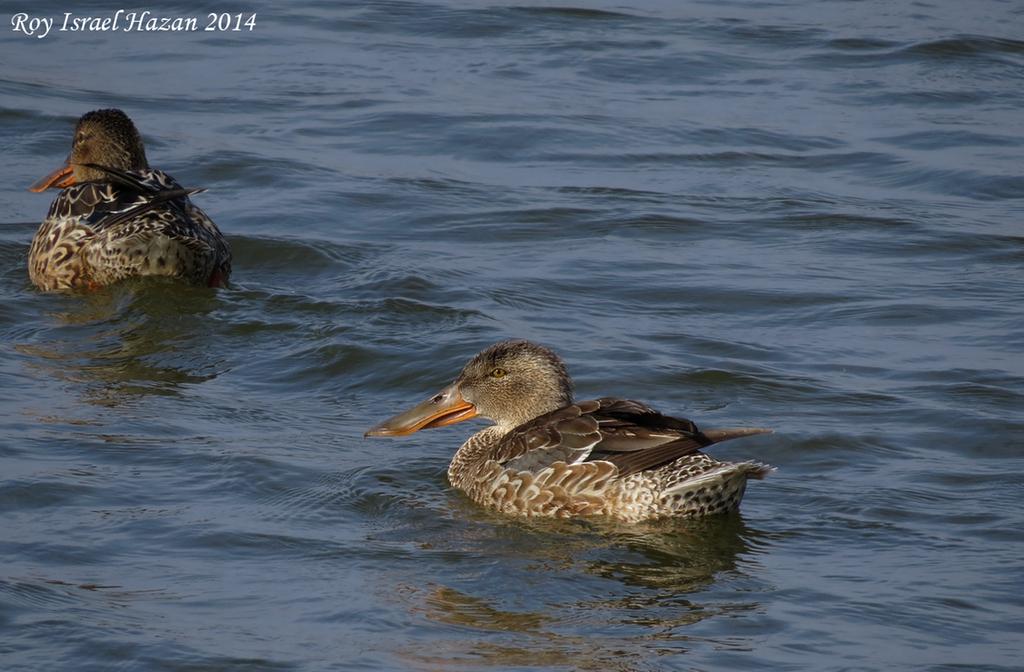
(566, 435)
(630, 435)
(639, 438)
(155, 201)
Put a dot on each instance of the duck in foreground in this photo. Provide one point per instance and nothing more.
(117, 218)
(547, 455)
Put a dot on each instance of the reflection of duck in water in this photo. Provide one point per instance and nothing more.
(130, 341)
(660, 573)
(118, 218)
(549, 456)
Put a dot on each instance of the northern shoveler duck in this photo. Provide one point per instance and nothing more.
(547, 455)
(118, 218)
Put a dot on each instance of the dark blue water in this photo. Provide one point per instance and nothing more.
(806, 215)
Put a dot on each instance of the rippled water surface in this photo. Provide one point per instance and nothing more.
(800, 214)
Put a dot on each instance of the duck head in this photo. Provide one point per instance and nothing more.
(510, 383)
(103, 137)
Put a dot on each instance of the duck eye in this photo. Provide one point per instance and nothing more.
(499, 373)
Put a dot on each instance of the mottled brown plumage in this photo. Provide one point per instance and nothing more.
(549, 456)
(117, 218)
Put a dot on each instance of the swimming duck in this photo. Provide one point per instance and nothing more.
(547, 455)
(118, 218)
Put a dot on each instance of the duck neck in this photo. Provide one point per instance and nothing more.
(473, 454)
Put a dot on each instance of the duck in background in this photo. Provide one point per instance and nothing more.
(117, 218)
(547, 455)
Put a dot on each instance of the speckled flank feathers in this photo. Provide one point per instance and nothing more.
(558, 465)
